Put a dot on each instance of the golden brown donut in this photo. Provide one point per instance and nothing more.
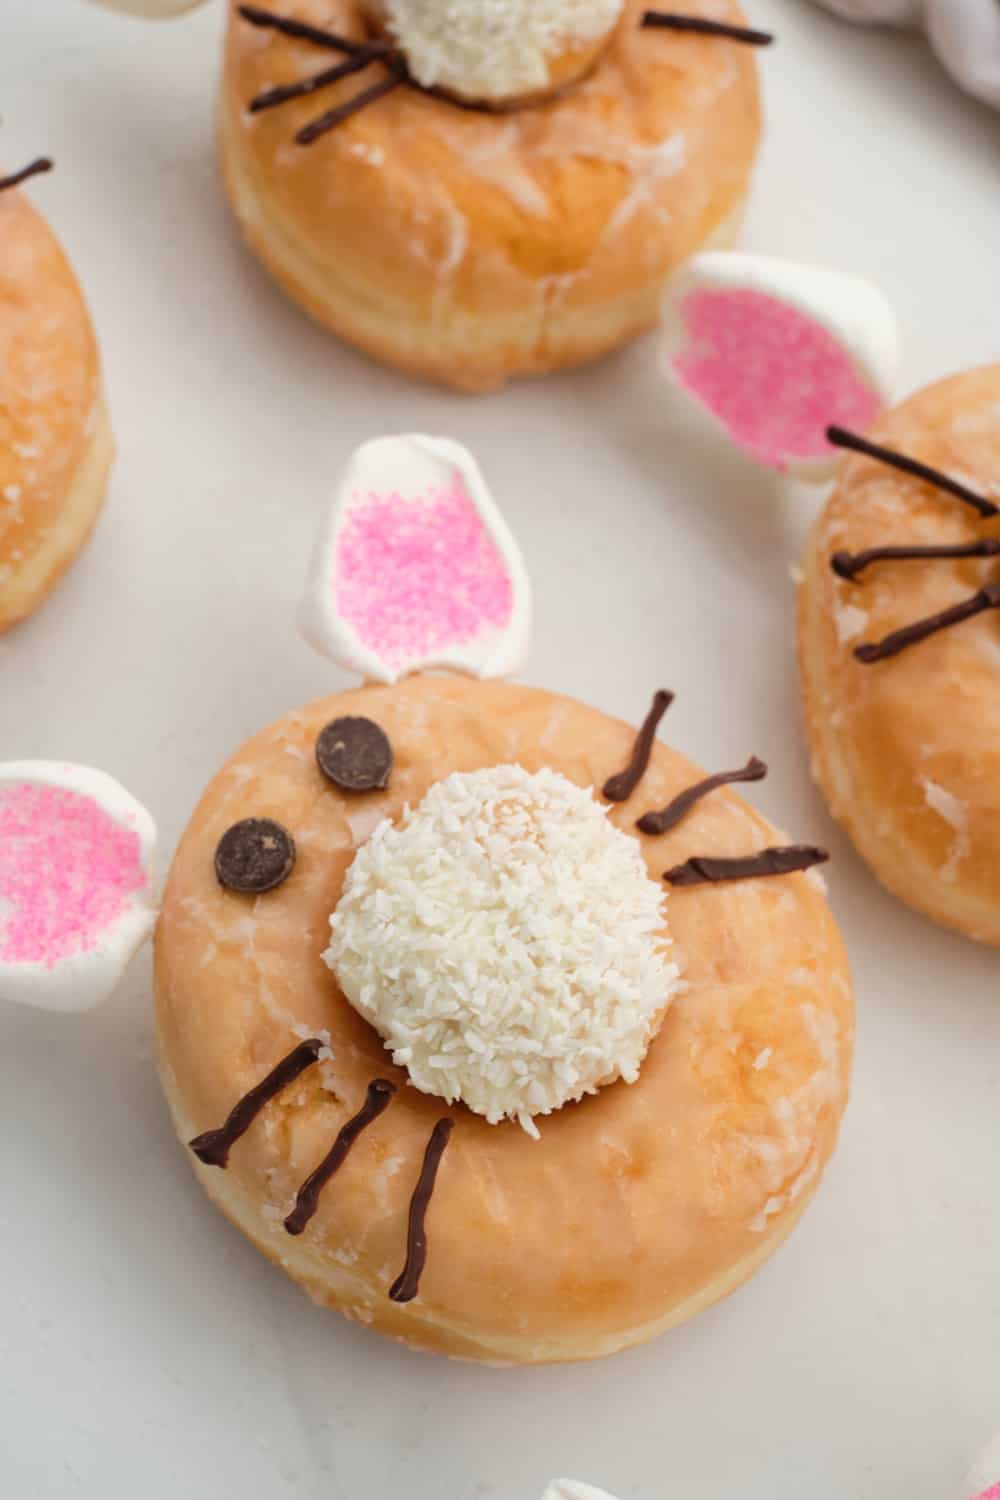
(467, 246)
(907, 750)
(55, 441)
(639, 1205)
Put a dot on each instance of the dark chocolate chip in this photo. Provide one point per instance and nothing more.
(254, 856)
(355, 754)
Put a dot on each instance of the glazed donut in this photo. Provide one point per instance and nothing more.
(438, 1041)
(55, 441)
(906, 741)
(465, 245)
(638, 1206)
(403, 935)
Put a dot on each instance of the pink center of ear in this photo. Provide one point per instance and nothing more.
(67, 870)
(415, 577)
(993, 1493)
(771, 375)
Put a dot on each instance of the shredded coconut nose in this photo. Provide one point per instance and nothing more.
(507, 943)
(493, 49)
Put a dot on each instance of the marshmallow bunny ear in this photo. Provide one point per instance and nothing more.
(774, 353)
(983, 1479)
(76, 884)
(416, 568)
(152, 10)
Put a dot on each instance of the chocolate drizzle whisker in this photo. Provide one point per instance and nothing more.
(342, 112)
(270, 98)
(669, 816)
(986, 599)
(33, 169)
(380, 1095)
(620, 787)
(707, 870)
(849, 565)
(213, 1146)
(407, 1284)
(668, 21)
(300, 30)
(363, 52)
(841, 438)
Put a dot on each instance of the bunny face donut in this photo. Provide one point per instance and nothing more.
(709, 1064)
(491, 1020)
(473, 192)
(55, 441)
(474, 1055)
(899, 643)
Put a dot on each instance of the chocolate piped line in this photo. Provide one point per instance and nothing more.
(706, 870)
(841, 438)
(668, 21)
(910, 635)
(849, 564)
(33, 169)
(301, 30)
(407, 1284)
(342, 112)
(669, 816)
(379, 1097)
(270, 98)
(621, 786)
(213, 1146)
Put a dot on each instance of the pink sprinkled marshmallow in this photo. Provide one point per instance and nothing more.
(774, 353)
(76, 883)
(416, 568)
(983, 1480)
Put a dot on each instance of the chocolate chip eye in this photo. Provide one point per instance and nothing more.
(254, 856)
(355, 755)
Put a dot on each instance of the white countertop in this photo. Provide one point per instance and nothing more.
(145, 1348)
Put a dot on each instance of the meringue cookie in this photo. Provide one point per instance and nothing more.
(76, 883)
(773, 353)
(965, 34)
(416, 568)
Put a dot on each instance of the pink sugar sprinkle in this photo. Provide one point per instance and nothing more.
(66, 872)
(413, 577)
(773, 377)
(993, 1493)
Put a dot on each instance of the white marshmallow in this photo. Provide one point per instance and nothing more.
(462, 628)
(983, 1479)
(64, 944)
(854, 314)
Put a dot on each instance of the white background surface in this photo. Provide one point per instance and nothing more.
(145, 1349)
